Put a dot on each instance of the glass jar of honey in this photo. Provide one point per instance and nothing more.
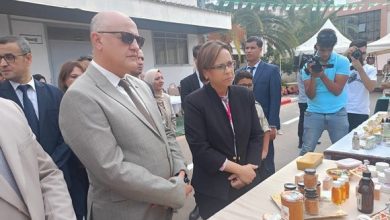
(312, 202)
(337, 193)
(310, 178)
(292, 205)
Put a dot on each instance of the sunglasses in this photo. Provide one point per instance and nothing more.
(127, 37)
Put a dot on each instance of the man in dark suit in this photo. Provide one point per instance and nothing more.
(267, 91)
(191, 82)
(40, 102)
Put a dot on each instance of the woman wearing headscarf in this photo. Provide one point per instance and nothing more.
(155, 79)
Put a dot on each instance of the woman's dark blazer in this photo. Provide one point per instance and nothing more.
(210, 137)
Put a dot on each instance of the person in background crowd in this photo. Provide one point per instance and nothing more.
(140, 66)
(78, 189)
(326, 93)
(40, 101)
(244, 78)
(69, 72)
(112, 123)
(267, 91)
(40, 78)
(155, 78)
(386, 67)
(370, 60)
(223, 132)
(302, 103)
(32, 187)
(192, 82)
(361, 81)
(84, 61)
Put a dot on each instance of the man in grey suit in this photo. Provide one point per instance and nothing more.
(112, 123)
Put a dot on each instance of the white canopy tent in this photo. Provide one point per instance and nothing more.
(308, 47)
(380, 46)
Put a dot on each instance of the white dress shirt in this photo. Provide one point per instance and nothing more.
(31, 93)
(254, 71)
(114, 80)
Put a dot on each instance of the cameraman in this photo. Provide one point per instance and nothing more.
(361, 82)
(324, 79)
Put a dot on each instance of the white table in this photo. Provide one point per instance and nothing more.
(176, 103)
(253, 204)
(343, 148)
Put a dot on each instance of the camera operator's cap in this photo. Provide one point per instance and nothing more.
(326, 38)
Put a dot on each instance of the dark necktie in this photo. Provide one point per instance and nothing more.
(251, 69)
(29, 111)
(125, 85)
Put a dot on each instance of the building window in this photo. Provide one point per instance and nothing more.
(367, 25)
(170, 48)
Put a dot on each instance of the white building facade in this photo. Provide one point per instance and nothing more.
(58, 31)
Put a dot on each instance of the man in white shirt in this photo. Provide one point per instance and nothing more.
(360, 83)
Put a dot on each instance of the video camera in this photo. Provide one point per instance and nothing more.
(315, 62)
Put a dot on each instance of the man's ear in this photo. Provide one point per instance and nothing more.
(96, 40)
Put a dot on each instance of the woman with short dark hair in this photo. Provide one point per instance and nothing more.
(223, 132)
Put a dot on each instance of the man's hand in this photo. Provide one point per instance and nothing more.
(188, 189)
(247, 173)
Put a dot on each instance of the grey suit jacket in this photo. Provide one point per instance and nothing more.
(130, 164)
(40, 182)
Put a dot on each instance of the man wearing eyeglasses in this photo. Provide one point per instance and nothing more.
(112, 123)
(361, 82)
(40, 101)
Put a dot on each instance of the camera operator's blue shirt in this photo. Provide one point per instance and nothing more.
(324, 100)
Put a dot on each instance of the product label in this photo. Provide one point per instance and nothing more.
(359, 200)
(285, 212)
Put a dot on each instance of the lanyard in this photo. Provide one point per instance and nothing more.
(226, 104)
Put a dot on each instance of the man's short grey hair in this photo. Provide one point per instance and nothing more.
(20, 41)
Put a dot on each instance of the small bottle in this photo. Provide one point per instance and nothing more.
(355, 141)
(312, 202)
(336, 193)
(346, 184)
(365, 194)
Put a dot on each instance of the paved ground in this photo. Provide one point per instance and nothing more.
(285, 145)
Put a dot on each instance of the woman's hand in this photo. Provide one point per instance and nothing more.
(235, 182)
(247, 173)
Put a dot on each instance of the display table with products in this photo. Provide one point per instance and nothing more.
(255, 203)
(343, 148)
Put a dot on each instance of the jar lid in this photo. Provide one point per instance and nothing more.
(311, 193)
(310, 171)
(292, 196)
(290, 186)
(319, 183)
(301, 184)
